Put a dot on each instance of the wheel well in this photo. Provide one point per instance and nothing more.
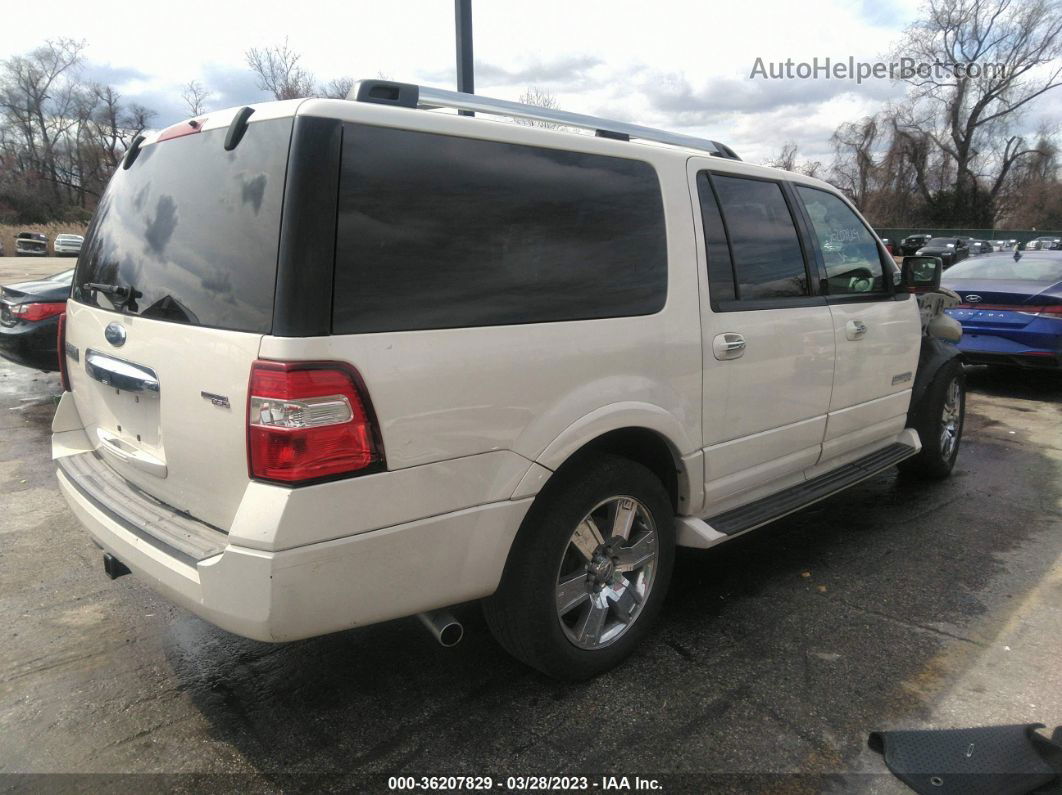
(643, 446)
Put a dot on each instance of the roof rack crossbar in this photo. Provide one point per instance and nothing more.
(426, 97)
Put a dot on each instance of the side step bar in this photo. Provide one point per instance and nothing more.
(753, 515)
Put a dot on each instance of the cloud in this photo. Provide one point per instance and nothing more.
(110, 75)
(564, 70)
(231, 86)
(674, 95)
(568, 72)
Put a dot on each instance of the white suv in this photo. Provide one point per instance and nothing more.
(336, 362)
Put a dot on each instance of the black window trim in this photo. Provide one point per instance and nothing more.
(890, 293)
(302, 303)
(814, 298)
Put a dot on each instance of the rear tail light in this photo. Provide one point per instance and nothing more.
(309, 420)
(61, 344)
(1054, 310)
(31, 313)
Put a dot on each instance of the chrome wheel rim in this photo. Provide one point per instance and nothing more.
(607, 572)
(951, 420)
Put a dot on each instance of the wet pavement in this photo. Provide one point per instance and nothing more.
(896, 604)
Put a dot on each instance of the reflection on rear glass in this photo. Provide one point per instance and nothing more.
(193, 230)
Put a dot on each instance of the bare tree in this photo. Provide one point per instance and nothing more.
(786, 159)
(542, 98)
(337, 88)
(969, 114)
(812, 168)
(279, 72)
(39, 99)
(195, 96)
(854, 169)
(60, 137)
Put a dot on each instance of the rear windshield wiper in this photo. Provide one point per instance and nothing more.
(127, 295)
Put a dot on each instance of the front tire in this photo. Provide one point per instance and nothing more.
(588, 571)
(939, 421)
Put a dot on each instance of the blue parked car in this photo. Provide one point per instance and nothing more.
(1011, 310)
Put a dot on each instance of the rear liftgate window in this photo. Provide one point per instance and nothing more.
(192, 230)
(439, 232)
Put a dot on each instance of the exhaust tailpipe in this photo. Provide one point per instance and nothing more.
(441, 623)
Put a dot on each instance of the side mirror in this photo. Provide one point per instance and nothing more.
(921, 273)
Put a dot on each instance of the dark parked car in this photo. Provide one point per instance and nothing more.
(910, 244)
(950, 249)
(1011, 310)
(980, 247)
(29, 320)
(31, 244)
(889, 245)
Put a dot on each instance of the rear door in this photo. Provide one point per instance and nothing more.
(173, 291)
(767, 344)
(877, 333)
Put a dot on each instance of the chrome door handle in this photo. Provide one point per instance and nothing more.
(855, 329)
(728, 346)
(121, 374)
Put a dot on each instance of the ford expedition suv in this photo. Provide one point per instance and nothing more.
(334, 362)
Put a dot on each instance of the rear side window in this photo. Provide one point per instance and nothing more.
(438, 231)
(192, 231)
(768, 260)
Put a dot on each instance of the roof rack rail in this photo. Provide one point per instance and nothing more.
(408, 95)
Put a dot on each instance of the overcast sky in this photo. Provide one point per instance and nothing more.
(680, 65)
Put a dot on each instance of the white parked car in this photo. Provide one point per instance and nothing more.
(67, 245)
(450, 359)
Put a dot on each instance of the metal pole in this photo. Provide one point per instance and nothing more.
(463, 30)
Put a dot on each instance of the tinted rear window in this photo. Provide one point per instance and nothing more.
(193, 230)
(437, 231)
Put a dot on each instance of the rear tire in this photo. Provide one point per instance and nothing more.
(578, 595)
(939, 421)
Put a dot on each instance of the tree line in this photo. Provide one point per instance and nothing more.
(62, 135)
(953, 153)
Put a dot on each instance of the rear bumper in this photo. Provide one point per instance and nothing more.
(1027, 347)
(1035, 361)
(309, 590)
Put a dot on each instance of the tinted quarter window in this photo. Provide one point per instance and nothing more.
(438, 231)
(720, 265)
(849, 251)
(192, 230)
(768, 261)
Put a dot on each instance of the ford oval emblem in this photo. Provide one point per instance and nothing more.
(973, 299)
(115, 334)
